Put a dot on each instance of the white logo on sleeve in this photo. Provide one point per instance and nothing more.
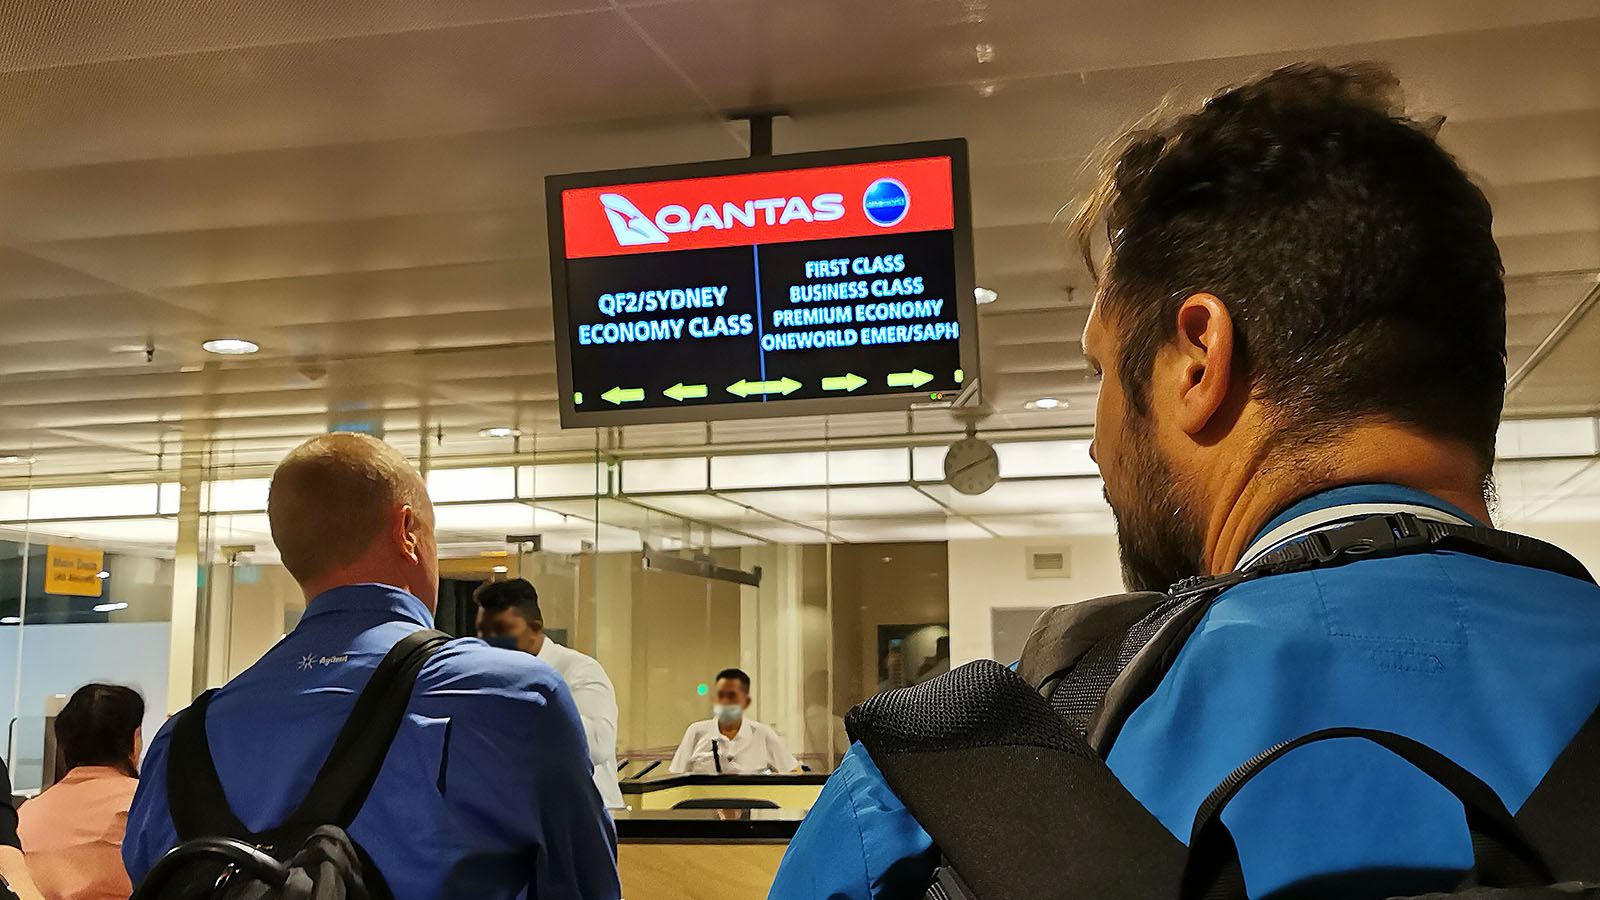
(311, 661)
(631, 226)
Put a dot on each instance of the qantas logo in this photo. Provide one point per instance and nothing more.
(633, 228)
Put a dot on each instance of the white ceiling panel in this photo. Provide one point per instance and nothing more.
(358, 187)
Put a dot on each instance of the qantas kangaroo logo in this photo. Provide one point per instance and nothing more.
(630, 225)
(633, 228)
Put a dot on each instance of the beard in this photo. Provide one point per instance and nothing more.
(1158, 539)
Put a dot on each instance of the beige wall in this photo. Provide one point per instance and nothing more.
(911, 587)
(992, 574)
(256, 619)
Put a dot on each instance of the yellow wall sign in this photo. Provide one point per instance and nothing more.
(73, 571)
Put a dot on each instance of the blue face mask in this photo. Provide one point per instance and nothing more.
(504, 642)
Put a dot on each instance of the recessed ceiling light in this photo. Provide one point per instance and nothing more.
(1045, 403)
(984, 295)
(499, 431)
(15, 460)
(109, 607)
(499, 570)
(10, 620)
(102, 574)
(231, 346)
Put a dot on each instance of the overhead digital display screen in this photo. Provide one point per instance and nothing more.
(787, 285)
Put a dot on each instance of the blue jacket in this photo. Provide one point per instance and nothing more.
(486, 791)
(1494, 665)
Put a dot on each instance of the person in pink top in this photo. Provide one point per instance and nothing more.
(72, 833)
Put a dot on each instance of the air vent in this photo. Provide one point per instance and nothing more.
(1050, 562)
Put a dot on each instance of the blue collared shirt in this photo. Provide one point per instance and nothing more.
(485, 793)
(1494, 665)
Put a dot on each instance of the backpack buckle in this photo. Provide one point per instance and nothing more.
(1370, 537)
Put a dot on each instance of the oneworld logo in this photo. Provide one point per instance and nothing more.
(886, 202)
(634, 228)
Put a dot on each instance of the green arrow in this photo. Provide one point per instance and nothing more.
(843, 382)
(681, 392)
(915, 378)
(621, 395)
(744, 387)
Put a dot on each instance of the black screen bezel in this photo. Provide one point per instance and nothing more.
(966, 303)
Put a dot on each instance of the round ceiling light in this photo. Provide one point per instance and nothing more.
(499, 431)
(1046, 403)
(984, 295)
(231, 346)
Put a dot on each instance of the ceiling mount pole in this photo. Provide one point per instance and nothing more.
(760, 120)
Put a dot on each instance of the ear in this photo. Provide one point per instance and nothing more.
(1200, 373)
(406, 530)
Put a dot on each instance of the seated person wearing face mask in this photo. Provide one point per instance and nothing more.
(728, 743)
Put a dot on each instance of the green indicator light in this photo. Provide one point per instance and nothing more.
(701, 690)
(577, 399)
(961, 376)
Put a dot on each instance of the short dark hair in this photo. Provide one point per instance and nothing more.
(96, 726)
(738, 675)
(1354, 255)
(518, 593)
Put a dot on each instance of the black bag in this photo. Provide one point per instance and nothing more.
(1048, 819)
(1020, 806)
(309, 856)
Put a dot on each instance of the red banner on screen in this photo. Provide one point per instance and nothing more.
(759, 208)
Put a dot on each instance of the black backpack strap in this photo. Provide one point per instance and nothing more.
(195, 798)
(1562, 816)
(1015, 801)
(1502, 855)
(175, 867)
(352, 766)
(194, 792)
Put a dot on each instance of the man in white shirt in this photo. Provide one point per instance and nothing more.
(728, 743)
(509, 617)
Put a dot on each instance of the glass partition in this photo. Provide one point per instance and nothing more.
(873, 573)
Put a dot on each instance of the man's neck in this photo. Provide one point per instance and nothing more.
(1249, 489)
(730, 732)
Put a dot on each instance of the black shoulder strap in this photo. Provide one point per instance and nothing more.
(1012, 797)
(194, 791)
(1562, 816)
(1503, 856)
(352, 765)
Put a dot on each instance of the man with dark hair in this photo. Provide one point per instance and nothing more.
(1301, 320)
(354, 525)
(729, 743)
(509, 617)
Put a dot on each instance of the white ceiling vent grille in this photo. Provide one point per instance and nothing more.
(1050, 562)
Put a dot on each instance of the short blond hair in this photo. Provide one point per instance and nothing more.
(331, 497)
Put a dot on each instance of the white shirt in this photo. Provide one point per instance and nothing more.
(755, 749)
(596, 700)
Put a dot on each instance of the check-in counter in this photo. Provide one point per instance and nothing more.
(708, 854)
(787, 791)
